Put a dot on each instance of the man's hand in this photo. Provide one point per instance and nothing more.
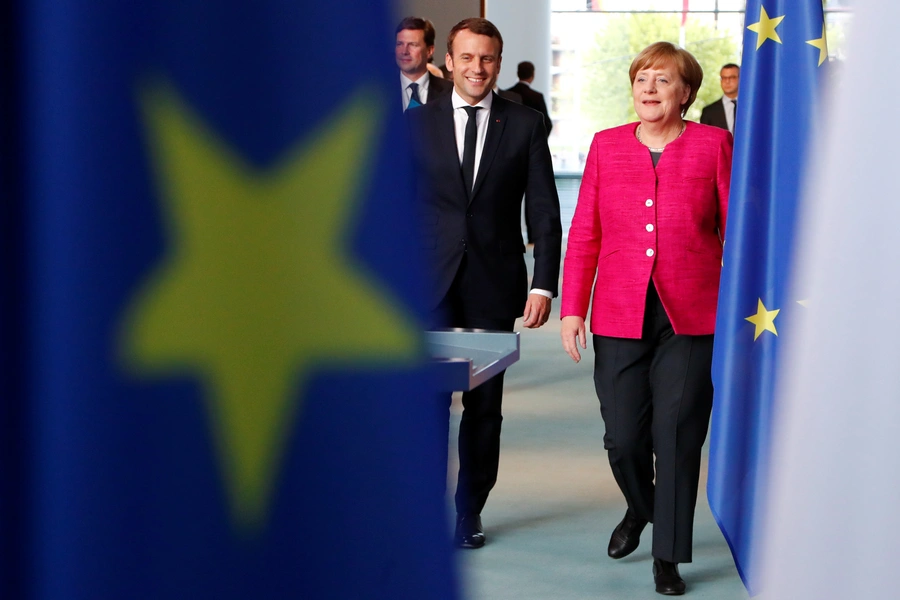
(573, 335)
(537, 311)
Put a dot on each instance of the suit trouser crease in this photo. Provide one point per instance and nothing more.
(480, 425)
(655, 398)
(479, 445)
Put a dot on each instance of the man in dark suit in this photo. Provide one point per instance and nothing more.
(413, 48)
(476, 155)
(511, 96)
(531, 99)
(721, 113)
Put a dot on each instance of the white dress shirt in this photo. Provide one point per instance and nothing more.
(461, 117)
(729, 111)
(406, 91)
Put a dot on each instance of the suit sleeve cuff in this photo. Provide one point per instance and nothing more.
(542, 293)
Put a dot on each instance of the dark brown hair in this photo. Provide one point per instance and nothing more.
(418, 23)
(475, 25)
(525, 70)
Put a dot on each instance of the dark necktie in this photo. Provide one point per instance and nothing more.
(471, 140)
(734, 116)
(414, 100)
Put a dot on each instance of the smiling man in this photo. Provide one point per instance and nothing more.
(476, 155)
(413, 48)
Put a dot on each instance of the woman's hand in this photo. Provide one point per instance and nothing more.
(572, 334)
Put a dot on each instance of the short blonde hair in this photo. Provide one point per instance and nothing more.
(665, 53)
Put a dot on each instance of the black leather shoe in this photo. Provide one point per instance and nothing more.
(626, 536)
(469, 533)
(665, 576)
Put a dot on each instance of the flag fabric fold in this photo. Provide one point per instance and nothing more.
(832, 521)
(784, 54)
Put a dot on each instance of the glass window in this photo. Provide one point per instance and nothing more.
(594, 42)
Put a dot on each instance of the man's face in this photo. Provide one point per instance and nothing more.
(475, 64)
(729, 79)
(411, 52)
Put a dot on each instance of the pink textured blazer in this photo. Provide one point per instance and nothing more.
(633, 223)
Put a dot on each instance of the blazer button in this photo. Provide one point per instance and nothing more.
(649, 202)
(650, 252)
(649, 226)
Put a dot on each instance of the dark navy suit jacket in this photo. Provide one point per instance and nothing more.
(484, 225)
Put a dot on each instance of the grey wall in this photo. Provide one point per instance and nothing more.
(525, 26)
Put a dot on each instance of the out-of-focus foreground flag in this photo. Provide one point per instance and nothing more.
(213, 308)
(834, 529)
(784, 54)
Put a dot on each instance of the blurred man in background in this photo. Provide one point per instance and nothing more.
(721, 113)
(414, 47)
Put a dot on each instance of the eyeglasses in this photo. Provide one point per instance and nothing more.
(728, 77)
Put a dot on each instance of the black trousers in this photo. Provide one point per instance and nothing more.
(656, 397)
(479, 428)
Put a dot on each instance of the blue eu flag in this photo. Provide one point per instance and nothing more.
(783, 57)
(216, 386)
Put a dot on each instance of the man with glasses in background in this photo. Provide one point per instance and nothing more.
(721, 113)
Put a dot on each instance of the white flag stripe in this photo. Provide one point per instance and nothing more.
(833, 530)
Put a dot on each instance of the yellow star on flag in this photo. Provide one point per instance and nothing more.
(764, 320)
(821, 45)
(765, 28)
(258, 286)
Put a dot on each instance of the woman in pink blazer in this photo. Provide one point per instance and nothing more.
(646, 240)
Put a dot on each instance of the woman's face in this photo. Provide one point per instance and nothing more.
(659, 93)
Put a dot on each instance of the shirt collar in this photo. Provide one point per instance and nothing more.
(422, 81)
(458, 102)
